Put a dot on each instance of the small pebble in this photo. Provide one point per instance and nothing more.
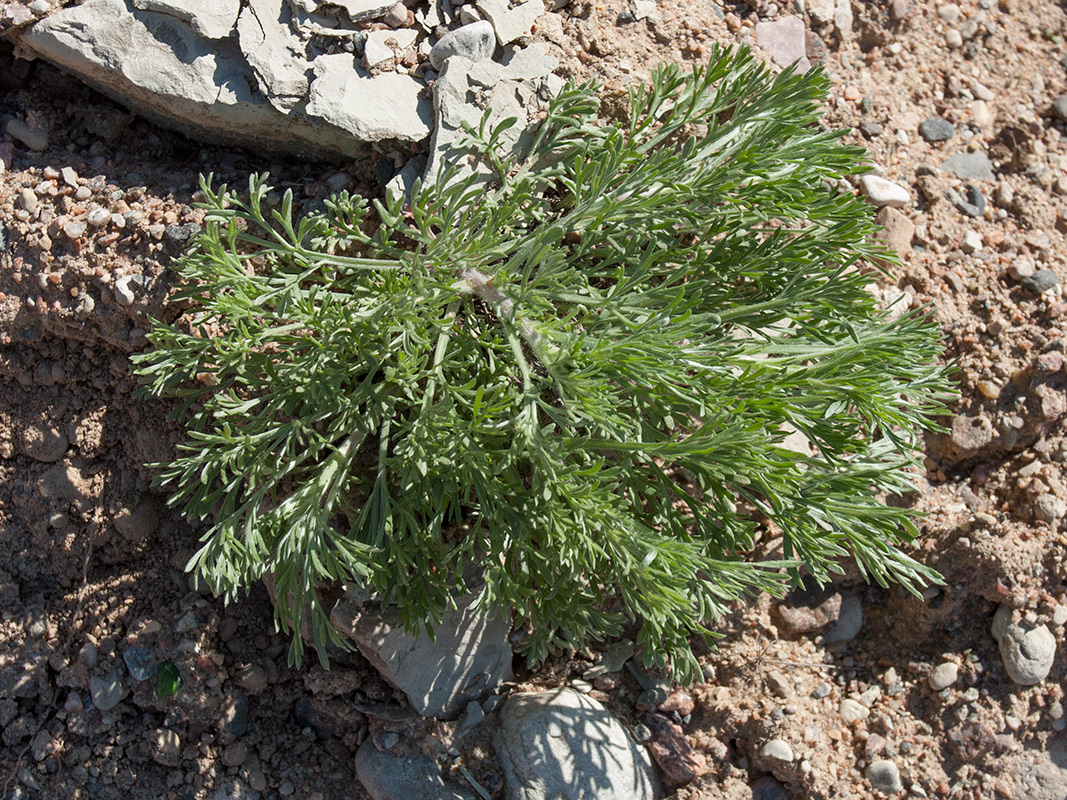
(74, 228)
(777, 749)
(106, 691)
(884, 776)
(972, 242)
(935, 129)
(884, 193)
(943, 675)
(40, 7)
(99, 217)
(28, 199)
(397, 16)
(83, 193)
(1027, 655)
(69, 176)
(953, 38)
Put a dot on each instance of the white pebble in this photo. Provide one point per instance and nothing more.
(953, 38)
(123, 293)
(949, 13)
(777, 749)
(74, 228)
(884, 193)
(972, 242)
(98, 217)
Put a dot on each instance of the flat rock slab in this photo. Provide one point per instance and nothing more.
(563, 745)
(160, 66)
(469, 657)
(403, 777)
(273, 51)
(386, 106)
(213, 19)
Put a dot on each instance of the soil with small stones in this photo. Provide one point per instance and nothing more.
(91, 560)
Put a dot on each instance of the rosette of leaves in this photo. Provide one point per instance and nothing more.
(577, 373)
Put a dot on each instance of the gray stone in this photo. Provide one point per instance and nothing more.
(266, 38)
(33, 138)
(389, 106)
(1041, 281)
(565, 745)
(882, 192)
(160, 67)
(1027, 655)
(213, 19)
(511, 23)
(786, 41)
(403, 182)
(469, 657)
(848, 622)
(107, 691)
(1059, 108)
(403, 777)
(27, 199)
(40, 6)
(935, 129)
(476, 42)
(140, 663)
(1037, 774)
(885, 777)
(969, 166)
(943, 675)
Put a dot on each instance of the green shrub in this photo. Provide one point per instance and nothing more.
(577, 376)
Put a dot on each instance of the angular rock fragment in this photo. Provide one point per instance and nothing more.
(266, 38)
(511, 23)
(469, 657)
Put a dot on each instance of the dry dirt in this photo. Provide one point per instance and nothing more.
(91, 560)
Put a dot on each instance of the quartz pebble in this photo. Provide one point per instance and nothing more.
(74, 228)
(778, 750)
(882, 192)
(98, 217)
(27, 200)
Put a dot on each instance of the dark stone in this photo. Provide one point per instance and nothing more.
(974, 203)
(176, 237)
(1059, 108)
(935, 129)
(1040, 281)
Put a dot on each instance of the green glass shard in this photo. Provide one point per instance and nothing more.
(168, 679)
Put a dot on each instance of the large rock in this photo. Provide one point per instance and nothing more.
(403, 776)
(469, 657)
(562, 745)
(386, 106)
(161, 67)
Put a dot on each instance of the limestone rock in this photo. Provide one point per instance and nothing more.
(273, 51)
(387, 106)
(159, 66)
(566, 745)
(476, 42)
(469, 657)
(213, 19)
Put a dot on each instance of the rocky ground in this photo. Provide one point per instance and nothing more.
(844, 694)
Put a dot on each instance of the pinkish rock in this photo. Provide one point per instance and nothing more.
(786, 42)
(672, 751)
